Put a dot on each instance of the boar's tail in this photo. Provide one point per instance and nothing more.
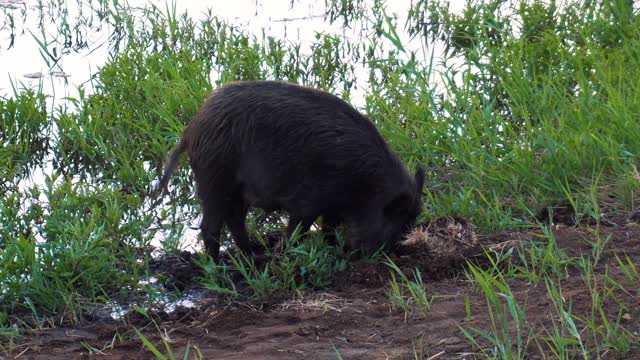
(171, 164)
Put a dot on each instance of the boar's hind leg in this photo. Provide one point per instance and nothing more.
(212, 219)
(236, 222)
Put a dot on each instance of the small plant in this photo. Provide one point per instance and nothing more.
(165, 342)
(604, 334)
(540, 259)
(170, 354)
(407, 295)
(310, 262)
(503, 308)
(216, 277)
(7, 333)
(598, 245)
(374, 258)
(262, 282)
(630, 272)
(303, 262)
(335, 349)
(171, 243)
(419, 350)
(564, 339)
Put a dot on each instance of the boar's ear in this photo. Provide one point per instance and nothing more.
(419, 179)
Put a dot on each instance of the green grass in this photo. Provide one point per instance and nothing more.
(531, 105)
(216, 277)
(567, 333)
(630, 272)
(164, 337)
(541, 259)
(562, 338)
(8, 334)
(24, 132)
(503, 308)
(603, 333)
(407, 295)
(304, 263)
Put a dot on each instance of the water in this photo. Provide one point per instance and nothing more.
(168, 303)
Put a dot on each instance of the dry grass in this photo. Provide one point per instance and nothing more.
(446, 236)
(321, 302)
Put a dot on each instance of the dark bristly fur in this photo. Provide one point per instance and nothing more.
(279, 146)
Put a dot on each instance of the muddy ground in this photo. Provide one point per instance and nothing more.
(354, 318)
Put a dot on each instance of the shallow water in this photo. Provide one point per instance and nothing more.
(167, 303)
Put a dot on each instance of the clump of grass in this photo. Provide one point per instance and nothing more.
(508, 336)
(305, 262)
(596, 331)
(603, 333)
(407, 295)
(261, 281)
(541, 259)
(598, 244)
(311, 262)
(563, 340)
(8, 334)
(24, 132)
(84, 229)
(216, 277)
(630, 271)
(164, 336)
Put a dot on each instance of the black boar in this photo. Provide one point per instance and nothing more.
(280, 146)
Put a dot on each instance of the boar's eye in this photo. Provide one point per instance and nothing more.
(398, 207)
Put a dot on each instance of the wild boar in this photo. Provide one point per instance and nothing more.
(280, 146)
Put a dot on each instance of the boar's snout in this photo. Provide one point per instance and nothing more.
(398, 217)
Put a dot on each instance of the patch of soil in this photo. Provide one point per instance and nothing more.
(563, 213)
(354, 317)
(558, 214)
